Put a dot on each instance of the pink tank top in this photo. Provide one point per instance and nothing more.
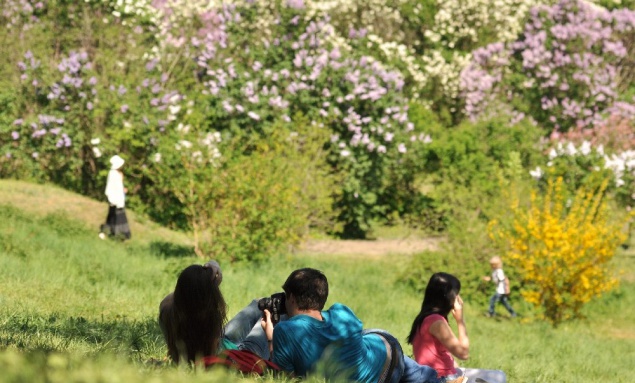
(429, 351)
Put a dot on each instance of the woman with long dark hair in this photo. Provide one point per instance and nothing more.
(193, 318)
(433, 342)
(200, 313)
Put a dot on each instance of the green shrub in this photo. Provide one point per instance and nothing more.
(268, 199)
(246, 196)
(470, 166)
(464, 162)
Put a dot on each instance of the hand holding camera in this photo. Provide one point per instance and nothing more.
(276, 305)
(272, 308)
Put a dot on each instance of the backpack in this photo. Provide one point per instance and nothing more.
(507, 285)
(241, 360)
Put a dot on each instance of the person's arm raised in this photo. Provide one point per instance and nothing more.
(267, 326)
(459, 347)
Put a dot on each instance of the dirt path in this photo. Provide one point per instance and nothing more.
(370, 248)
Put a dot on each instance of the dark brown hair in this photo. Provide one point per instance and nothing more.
(309, 287)
(200, 313)
(441, 292)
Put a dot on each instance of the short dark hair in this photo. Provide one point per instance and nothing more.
(309, 287)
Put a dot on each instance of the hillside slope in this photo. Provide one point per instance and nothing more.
(41, 200)
(44, 199)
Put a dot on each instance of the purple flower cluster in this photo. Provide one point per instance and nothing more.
(74, 90)
(28, 68)
(160, 104)
(567, 59)
(21, 13)
(42, 133)
(295, 4)
(357, 33)
(480, 79)
(358, 98)
(211, 32)
(623, 109)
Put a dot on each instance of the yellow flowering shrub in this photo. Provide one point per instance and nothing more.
(561, 248)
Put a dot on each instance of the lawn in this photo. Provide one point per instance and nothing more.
(74, 308)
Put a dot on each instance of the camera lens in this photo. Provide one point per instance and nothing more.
(264, 303)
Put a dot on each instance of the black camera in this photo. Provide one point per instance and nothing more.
(275, 304)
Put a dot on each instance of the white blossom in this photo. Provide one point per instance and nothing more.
(553, 154)
(174, 109)
(183, 128)
(536, 173)
(571, 150)
(183, 144)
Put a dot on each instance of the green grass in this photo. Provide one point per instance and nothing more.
(74, 308)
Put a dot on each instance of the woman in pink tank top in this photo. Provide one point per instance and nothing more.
(433, 342)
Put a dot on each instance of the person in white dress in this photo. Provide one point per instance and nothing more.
(116, 222)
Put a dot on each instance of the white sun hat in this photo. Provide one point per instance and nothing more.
(116, 162)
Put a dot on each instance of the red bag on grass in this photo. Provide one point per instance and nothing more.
(241, 360)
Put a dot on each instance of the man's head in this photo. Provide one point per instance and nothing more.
(309, 288)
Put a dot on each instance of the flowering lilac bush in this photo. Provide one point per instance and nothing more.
(94, 105)
(299, 68)
(569, 73)
(562, 72)
(41, 134)
(188, 70)
(203, 85)
(22, 14)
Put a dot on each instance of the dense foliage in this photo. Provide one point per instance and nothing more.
(251, 123)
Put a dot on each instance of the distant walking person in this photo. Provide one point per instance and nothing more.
(502, 287)
(116, 223)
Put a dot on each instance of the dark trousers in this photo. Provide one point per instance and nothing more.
(504, 299)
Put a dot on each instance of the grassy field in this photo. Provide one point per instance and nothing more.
(74, 308)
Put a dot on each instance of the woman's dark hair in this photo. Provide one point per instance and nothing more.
(200, 313)
(441, 292)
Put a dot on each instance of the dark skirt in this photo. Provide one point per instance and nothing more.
(116, 223)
